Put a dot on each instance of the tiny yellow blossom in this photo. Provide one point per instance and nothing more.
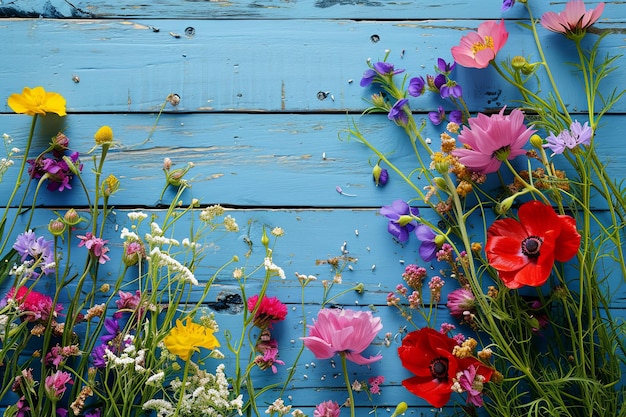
(37, 101)
(184, 339)
(104, 135)
(110, 185)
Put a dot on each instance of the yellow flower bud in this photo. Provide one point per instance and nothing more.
(104, 135)
(536, 141)
(110, 185)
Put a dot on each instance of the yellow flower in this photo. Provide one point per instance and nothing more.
(185, 339)
(37, 101)
(104, 135)
(110, 185)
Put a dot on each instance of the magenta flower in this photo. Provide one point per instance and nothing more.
(269, 311)
(479, 48)
(269, 359)
(489, 140)
(56, 384)
(401, 219)
(460, 302)
(34, 305)
(343, 331)
(95, 245)
(327, 409)
(471, 381)
(576, 135)
(574, 21)
(56, 170)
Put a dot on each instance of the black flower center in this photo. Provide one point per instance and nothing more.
(439, 368)
(531, 246)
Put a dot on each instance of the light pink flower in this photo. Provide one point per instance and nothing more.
(574, 20)
(327, 409)
(56, 384)
(343, 331)
(95, 245)
(489, 140)
(477, 49)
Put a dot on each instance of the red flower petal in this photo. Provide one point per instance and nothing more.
(568, 242)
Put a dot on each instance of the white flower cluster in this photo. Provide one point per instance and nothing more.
(204, 395)
(164, 259)
(155, 237)
(273, 268)
(137, 216)
(127, 234)
(278, 406)
(129, 358)
(231, 224)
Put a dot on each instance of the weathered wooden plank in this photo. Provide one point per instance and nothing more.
(249, 160)
(272, 9)
(258, 65)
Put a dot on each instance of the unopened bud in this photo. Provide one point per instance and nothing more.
(518, 62)
(71, 217)
(56, 227)
(104, 135)
(536, 141)
(60, 142)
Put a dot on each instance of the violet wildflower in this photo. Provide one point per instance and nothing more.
(451, 89)
(428, 247)
(378, 69)
(456, 116)
(417, 86)
(380, 175)
(96, 246)
(401, 219)
(38, 249)
(397, 114)
(436, 117)
(576, 135)
(55, 169)
(507, 4)
(443, 67)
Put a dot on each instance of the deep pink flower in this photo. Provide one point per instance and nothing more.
(269, 359)
(489, 140)
(460, 302)
(270, 311)
(574, 20)
(327, 409)
(343, 331)
(477, 49)
(56, 384)
(34, 305)
(95, 245)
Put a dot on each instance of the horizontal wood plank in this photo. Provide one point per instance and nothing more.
(260, 65)
(250, 160)
(274, 9)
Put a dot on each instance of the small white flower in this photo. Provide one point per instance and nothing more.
(230, 224)
(137, 215)
(156, 380)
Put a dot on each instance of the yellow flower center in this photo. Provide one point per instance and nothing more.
(479, 46)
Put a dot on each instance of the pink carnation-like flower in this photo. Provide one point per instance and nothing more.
(270, 311)
(477, 49)
(343, 331)
(35, 305)
(574, 20)
(327, 409)
(460, 302)
(489, 140)
(95, 245)
(56, 384)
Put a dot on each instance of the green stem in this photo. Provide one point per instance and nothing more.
(182, 388)
(346, 377)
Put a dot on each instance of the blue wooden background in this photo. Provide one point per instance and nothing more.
(263, 143)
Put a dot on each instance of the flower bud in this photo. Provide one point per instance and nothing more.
(104, 288)
(536, 141)
(56, 227)
(528, 69)
(71, 217)
(505, 205)
(60, 142)
(440, 183)
(167, 164)
(104, 135)
(110, 185)
(400, 409)
(518, 62)
(378, 101)
(265, 240)
(380, 175)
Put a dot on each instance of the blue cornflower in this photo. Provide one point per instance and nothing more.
(417, 86)
(401, 219)
(397, 113)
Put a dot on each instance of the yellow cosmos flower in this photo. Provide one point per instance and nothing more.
(104, 135)
(184, 339)
(37, 101)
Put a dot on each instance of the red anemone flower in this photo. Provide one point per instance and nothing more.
(524, 251)
(428, 354)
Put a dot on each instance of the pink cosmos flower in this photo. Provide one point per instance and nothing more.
(477, 49)
(575, 20)
(489, 140)
(35, 305)
(343, 331)
(95, 245)
(56, 384)
(327, 409)
(270, 311)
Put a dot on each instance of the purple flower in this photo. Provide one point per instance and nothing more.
(401, 219)
(507, 4)
(576, 135)
(29, 246)
(417, 86)
(380, 175)
(451, 89)
(428, 247)
(112, 328)
(56, 170)
(379, 69)
(456, 116)
(94, 413)
(436, 117)
(397, 113)
(435, 82)
(444, 67)
(469, 380)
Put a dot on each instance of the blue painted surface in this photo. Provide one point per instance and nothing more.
(261, 140)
